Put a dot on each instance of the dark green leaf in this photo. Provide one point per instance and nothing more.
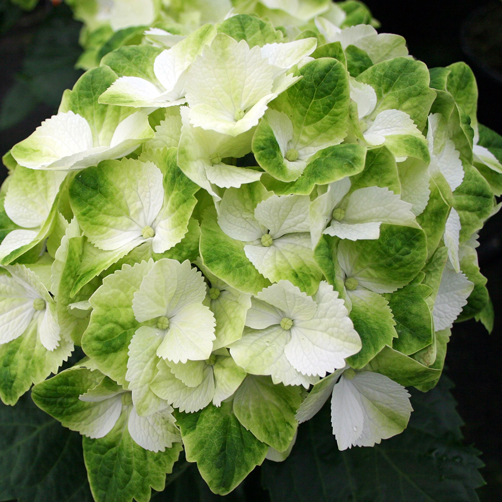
(40, 460)
(224, 450)
(187, 480)
(17, 104)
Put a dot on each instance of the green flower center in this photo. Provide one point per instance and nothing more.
(148, 233)
(239, 115)
(212, 360)
(292, 155)
(349, 374)
(39, 304)
(266, 240)
(351, 283)
(338, 214)
(216, 160)
(214, 293)
(286, 323)
(163, 323)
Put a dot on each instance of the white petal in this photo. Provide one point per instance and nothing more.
(378, 204)
(103, 417)
(286, 55)
(390, 123)
(186, 399)
(155, 432)
(168, 287)
(210, 82)
(354, 231)
(16, 309)
(290, 300)
(414, 177)
(449, 163)
(190, 373)
(236, 215)
(322, 208)
(320, 345)
(261, 315)
(261, 352)
(284, 214)
(347, 414)
(365, 97)
(16, 239)
(226, 176)
(62, 135)
(190, 335)
(282, 127)
(48, 328)
(30, 196)
(127, 13)
(452, 238)
(133, 128)
(316, 398)
(131, 91)
(453, 293)
(384, 404)
(486, 157)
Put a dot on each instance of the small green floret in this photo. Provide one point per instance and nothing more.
(349, 374)
(292, 155)
(214, 293)
(338, 214)
(39, 304)
(239, 115)
(266, 240)
(351, 283)
(286, 323)
(148, 233)
(163, 323)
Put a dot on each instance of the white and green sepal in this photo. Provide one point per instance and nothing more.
(122, 204)
(166, 85)
(292, 336)
(233, 106)
(31, 345)
(277, 235)
(358, 215)
(84, 133)
(366, 407)
(392, 127)
(31, 203)
(202, 155)
(172, 295)
(379, 47)
(192, 386)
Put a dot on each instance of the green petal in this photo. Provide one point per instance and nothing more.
(374, 322)
(119, 469)
(224, 450)
(25, 361)
(226, 259)
(113, 323)
(268, 410)
(401, 84)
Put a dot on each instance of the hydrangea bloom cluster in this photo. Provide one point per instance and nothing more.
(236, 221)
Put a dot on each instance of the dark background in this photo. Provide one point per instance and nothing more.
(439, 33)
(38, 50)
